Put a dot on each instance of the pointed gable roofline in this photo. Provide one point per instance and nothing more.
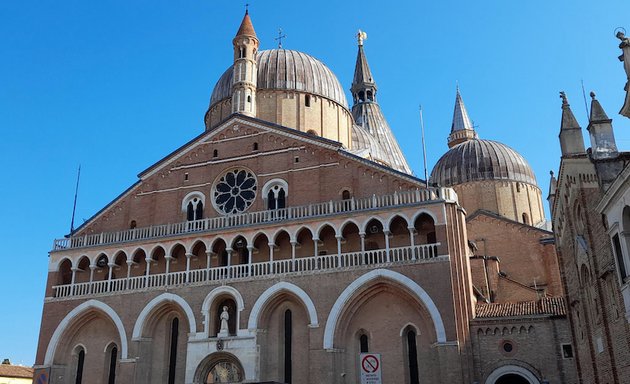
(483, 212)
(257, 123)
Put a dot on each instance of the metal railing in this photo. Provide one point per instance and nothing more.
(254, 218)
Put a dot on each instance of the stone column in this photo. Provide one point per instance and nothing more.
(339, 238)
(109, 276)
(188, 256)
(412, 242)
(363, 258)
(74, 273)
(229, 261)
(148, 260)
(387, 256)
(168, 259)
(92, 268)
(250, 258)
(271, 247)
(129, 264)
(293, 244)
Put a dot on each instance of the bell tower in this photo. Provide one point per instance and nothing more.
(245, 69)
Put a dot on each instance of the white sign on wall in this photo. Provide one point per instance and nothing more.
(370, 365)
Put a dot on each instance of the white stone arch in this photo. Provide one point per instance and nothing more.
(254, 236)
(169, 251)
(215, 240)
(207, 303)
(412, 286)
(397, 214)
(156, 302)
(193, 242)
(420, 212)
(277, 232)
(322, 225)
(55, 266)
(297, 230)
(79, 310)
(77, 261)
(351, 221)
(409, 325)
(512, 369)
(263, 299)
(191, 196)
(160, 245)
(136, 249)
(281, 183)
(367, 221)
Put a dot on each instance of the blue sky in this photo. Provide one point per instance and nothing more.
(117, 85)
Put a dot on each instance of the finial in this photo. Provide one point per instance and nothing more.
(280, 37)
(247, 8)
(592, 95)
(563, 96)
(361, 36)
(551, 173)
(620, 33)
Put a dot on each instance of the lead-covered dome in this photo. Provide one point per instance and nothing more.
(479, 160)
(282, 69)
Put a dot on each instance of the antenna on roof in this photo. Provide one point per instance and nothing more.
(424, 150)
(74, 206)
(584, 95)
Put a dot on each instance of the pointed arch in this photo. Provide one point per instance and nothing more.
(276, 289)
(321, 227)
(414, 288)
(67, 321)
(156, 302)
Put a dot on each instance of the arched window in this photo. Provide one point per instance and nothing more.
(172, 357)
(363, 343)
(345, 195)
(215, 153)
(255, 146)
(412, 357)
(80, 362)
(288, 335)
(275, 192)
(113, 359)
(307, 101)
(525, 218)
(619, 256)
(249, 98)
(193, 205)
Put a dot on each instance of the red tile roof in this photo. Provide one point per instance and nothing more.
(16, 371)
(553, 306)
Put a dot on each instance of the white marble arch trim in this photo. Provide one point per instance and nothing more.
(82, 308)
(512, 369)
(346, 295)
(207, 303)
(272, 291)
(163, 298)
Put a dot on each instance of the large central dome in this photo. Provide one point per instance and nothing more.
(282, 69)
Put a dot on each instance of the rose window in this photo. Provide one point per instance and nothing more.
(235, 191)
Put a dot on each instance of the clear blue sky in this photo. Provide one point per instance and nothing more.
(117, 85)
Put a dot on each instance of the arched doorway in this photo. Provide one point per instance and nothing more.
(219, 367)
(512, 374)
(512, 378)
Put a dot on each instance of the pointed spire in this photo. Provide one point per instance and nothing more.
(603, 145)
(571, 140)
(461, 127)
(363, 85)
(597, 112)
(460, 114)
(553, 186)
(246, 28)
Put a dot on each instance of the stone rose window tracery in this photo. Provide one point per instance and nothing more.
(234, 192)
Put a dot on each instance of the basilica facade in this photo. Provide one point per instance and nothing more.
(290, 243)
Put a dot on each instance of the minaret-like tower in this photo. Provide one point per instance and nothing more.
(244, 80)
(461, 128)
(368, 115)
(571, 140)
(603, 145)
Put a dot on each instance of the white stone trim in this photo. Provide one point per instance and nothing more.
(163, 298)
(512, 369)
(272, 291)
(436, 222)
(346, 295)
(272, 183)
(207, 303)
(190, 196)
(70, 317)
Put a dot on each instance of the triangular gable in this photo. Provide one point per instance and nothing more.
(262, 125)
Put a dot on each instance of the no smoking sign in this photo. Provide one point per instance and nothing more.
(370, 368)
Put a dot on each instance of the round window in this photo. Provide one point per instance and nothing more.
(234, 192)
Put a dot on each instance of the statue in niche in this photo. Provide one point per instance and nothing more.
(625, 57)
(224, 317)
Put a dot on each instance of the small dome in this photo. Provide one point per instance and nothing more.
(478, 160)
(283, 69)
